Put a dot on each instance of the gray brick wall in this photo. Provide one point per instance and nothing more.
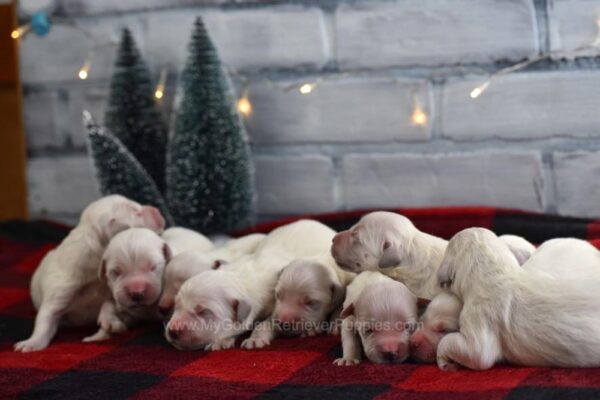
(531, 141)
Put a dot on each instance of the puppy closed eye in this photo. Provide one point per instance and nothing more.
(311, 303)
(115, 273)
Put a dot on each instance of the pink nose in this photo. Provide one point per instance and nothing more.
(287, 317)
(340, 236)
(415, 341)
(390, 347)
(137, 291)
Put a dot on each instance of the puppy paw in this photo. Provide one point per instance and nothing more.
(252, 343)
(221, 345)
(99, 336)
(346, 362)
(447, 365)
(29, 345)
(112, 325)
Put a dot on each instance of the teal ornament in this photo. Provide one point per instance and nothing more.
(40, 24)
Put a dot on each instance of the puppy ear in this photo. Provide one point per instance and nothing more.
(102, 271)
(348, 311)
(338, 293)
(241, 310)
(152, 218)
(167, 253)
(390, 256)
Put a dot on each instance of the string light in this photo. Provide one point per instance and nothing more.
(84, 71)
(419, 118)
(306, 88)
(160, 87)
(475, 93)
(20, 31)
(243, 105)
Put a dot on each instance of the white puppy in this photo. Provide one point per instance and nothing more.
(190, 263)
(514, 314)
(65, 286)
(309, 292)
(566, 257)
(380, 313)
(390, 243)
(215, 306)
(183, 239)
(439, 319)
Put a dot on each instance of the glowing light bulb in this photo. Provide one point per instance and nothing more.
(20, 31)
(475, 93)
(158, 94)
(244, 106)
(84, 71)
(419, 118)
(306, 88)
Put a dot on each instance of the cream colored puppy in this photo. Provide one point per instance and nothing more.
(379, 313)
(309, 295)
(183, 239)
(514, 314)
(65, 287)
(190, 263)
(440, 318)
(215, 306)
(566, 257)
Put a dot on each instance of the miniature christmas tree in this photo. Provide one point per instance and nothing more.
(208, 173)
(132, 115)
(117, 170)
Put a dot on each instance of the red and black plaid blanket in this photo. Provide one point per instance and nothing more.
(140, 364)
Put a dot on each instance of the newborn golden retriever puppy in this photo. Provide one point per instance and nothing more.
(215, 306)
(65, 287)
(309, 295)
(566, 257)
(189, 263)
(380, 314)
(514, 314)
(521, 248)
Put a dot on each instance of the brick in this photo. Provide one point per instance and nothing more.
(511, 180)
(338, 111)
(63, 185)
(281, 37)
(572, 24)
(523, 106)
(576, 175)
(294, 184)
(432, 32)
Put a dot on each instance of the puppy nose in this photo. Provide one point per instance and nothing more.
(415, 344)
(173, 334)
(137, 296)
(287, 317)
(390, 356)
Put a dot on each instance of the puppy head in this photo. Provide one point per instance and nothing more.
(182, 267)
(113, 214)
(379, 240)
(473, 255)
(210, 306)
(385, 316)
(520, 247)
(439, 319)
(133, 265)
(305, 295)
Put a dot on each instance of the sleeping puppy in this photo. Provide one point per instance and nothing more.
(132, 269)
(390, 243)
(512, 313)
(183, 239)
(309, 291)
(65, 286)
(380, 313)
(439, 319)
(215, 306)
(556, 257)
(190, 263)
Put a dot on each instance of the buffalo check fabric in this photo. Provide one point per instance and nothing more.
(139, 364)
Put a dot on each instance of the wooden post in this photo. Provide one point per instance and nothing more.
(13, 185)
